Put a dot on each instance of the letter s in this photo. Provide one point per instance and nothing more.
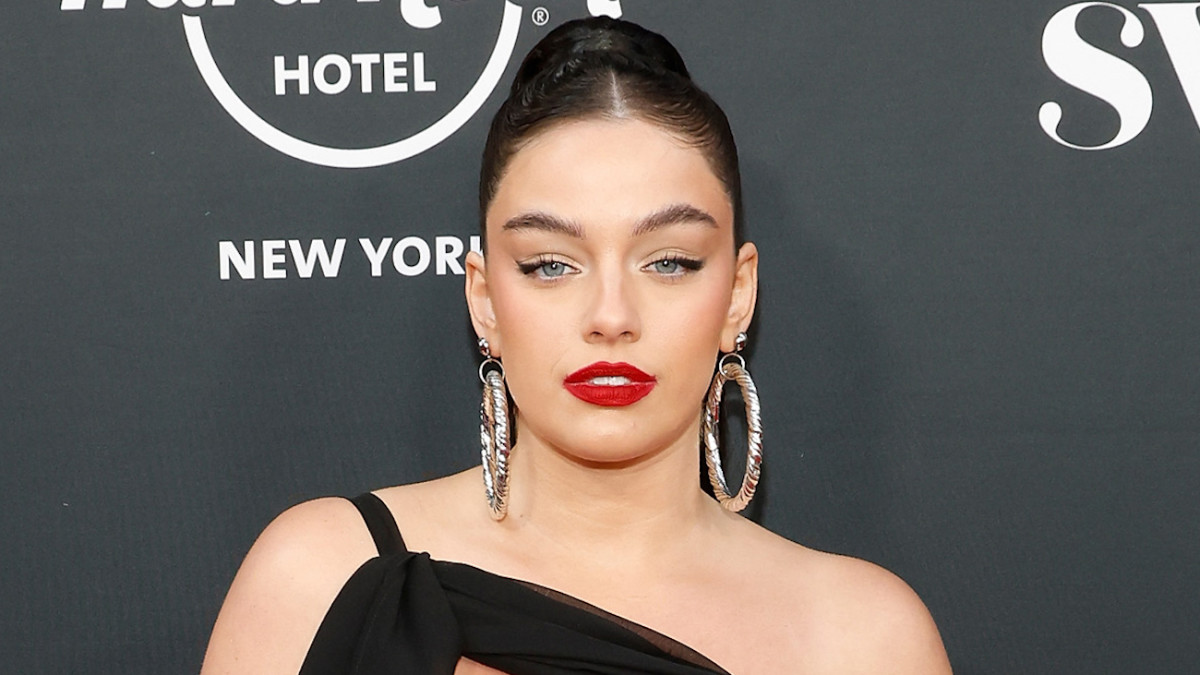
(1096, 72)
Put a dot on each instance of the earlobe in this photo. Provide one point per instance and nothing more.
(744, 296)
(479, 300)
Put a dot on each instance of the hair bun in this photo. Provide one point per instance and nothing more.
(608, 69)
(597, 42)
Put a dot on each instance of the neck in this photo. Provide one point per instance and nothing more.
(642, 506)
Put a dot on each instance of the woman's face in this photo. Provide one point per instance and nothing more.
(610, 285)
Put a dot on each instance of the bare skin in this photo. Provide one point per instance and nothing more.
(786, 608)
(603, 503)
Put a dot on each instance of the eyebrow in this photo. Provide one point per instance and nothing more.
(675, 214)
(537, 220)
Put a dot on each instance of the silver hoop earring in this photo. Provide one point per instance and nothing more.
(733, 367)
(493, 432)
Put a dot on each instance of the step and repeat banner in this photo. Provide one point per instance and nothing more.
(231, 262)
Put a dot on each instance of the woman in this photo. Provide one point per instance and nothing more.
(615, 277)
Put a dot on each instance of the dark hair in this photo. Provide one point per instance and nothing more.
(608, 68)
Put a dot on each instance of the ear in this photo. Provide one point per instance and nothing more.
(744, 297)
(479, 301)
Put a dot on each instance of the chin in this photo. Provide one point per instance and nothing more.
(614, 443)
(607, 458)
(611, 435)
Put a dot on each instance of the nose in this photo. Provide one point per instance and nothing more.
(612, 309)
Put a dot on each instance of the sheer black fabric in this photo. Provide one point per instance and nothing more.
(402, 612)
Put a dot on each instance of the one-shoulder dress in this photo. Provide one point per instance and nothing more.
(404, 613)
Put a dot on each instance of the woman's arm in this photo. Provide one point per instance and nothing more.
(285, 585)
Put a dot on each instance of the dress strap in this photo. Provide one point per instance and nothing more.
(381, 523)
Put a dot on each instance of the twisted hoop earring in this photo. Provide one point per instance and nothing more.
(733, 367)
(493, 432)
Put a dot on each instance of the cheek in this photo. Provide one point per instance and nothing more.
(702, 308)
(518, 313)
(693, 320)
(533, 339)
(689, 327)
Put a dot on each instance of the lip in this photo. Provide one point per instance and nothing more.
(582, 385)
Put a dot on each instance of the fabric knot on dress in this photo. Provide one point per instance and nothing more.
(402, 612)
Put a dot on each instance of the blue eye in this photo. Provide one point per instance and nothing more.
(552, 269)
(542, 268)
(675, 266)
(667, 266)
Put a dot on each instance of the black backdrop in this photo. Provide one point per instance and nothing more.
(975, 345)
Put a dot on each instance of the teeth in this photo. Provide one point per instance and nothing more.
(610, 381)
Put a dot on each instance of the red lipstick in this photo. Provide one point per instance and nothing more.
(609, 384)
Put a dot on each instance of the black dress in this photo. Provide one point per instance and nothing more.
(402, 612)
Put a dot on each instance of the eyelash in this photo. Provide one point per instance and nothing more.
(686, 266)
(531, 268)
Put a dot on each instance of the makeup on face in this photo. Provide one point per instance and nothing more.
(609, 384)
(610, 257)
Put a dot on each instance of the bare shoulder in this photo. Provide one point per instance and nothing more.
(429, 500)
(439, 515)
(848, 615)
(881, 617)
(284, 586)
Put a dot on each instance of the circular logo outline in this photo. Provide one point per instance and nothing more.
(356, 158)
